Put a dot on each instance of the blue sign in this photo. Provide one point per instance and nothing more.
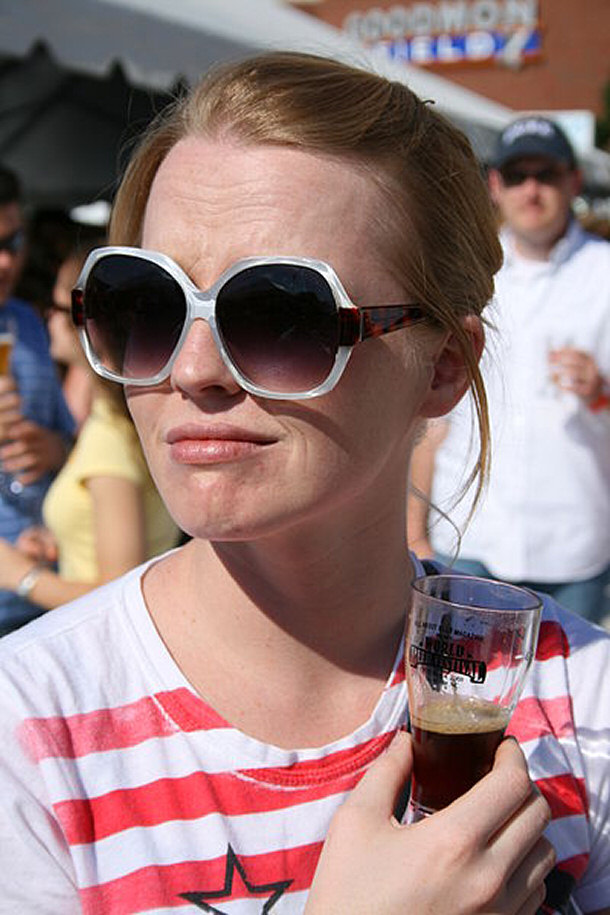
(472, 47)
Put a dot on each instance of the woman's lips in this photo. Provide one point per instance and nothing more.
(194, 444)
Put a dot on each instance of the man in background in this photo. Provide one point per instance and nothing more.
(544, 520)
(36, 427)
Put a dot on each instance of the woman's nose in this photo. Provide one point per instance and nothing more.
(199, 364)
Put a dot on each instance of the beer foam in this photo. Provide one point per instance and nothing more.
(461, 715)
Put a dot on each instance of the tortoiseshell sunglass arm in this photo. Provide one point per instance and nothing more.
(77, 310)
(376, 320)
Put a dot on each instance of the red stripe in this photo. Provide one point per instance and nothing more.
(155, 887)
(552, 642)
(540, 717)
(575, 866)
(188, 798)
(318, 771)
(398, 676)
(566, 795)
(117, 728)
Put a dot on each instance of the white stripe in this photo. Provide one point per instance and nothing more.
(569, 835)
(547, 757)
(288, 904)
(203, 839)
(546, 679)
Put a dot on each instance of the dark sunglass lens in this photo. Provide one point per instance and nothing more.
(547, 176)
(134, 312)
(514, 176)
(279, 324)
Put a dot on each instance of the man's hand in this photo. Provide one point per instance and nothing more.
(10, 406)
(576, 371)
(485, 853)
(32, 451)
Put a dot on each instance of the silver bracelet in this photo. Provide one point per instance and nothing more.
(28, 581)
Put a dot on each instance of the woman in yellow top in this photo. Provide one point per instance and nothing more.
(103, 513)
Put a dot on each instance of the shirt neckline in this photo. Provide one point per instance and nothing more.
(190, 712)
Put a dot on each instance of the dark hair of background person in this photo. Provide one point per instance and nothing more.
(10, 187)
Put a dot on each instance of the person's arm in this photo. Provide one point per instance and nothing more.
(420, 488)
(118, 511)
(485, 853)
(120, 545)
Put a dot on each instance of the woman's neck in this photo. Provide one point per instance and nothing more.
(261, 629)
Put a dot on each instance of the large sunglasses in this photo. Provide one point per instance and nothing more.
(284, 326)
(513, 176)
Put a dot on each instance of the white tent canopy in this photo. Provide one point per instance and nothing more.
(159, 41)
(73, 73)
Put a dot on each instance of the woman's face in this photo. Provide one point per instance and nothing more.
(63, 339)
(233, 466)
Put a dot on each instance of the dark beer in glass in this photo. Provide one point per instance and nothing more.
(469, 646)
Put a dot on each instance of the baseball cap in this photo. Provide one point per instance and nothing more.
(533, 136)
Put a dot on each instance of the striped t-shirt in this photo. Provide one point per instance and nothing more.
(122, 791)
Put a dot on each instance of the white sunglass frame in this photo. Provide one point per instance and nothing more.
(202, 304)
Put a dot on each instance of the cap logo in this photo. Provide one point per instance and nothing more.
(527, 128)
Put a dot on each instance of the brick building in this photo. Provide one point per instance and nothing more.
(526, 54)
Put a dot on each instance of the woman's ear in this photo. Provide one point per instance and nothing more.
(450, 378)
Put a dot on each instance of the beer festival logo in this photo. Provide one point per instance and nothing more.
(453, 32)
(442, 656)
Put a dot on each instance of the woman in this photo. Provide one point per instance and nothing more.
(78, 382)
(103, 514)
(238, 690)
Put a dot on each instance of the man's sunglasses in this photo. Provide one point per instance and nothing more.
(13, 243)
(513, 177)
(284, 326)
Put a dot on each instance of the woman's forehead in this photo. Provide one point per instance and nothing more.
(214, 199)
(202, 168)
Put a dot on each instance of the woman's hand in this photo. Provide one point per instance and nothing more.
(483, 854)
(13, 565)
(38, 543)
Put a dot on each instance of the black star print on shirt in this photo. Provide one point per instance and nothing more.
(272, 890)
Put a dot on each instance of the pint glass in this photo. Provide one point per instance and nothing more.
(7, 341)
(469, 645)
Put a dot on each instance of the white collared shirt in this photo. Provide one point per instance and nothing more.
(546, 513)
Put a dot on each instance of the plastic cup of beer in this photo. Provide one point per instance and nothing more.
(469, 645)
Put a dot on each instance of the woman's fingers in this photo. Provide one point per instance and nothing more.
(526, 886)
(484, 853)
(380, 787)
(497, 797)
(522, 832)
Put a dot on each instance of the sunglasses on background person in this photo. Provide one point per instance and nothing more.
(284, 326)
(13, 243)
(512, 176)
